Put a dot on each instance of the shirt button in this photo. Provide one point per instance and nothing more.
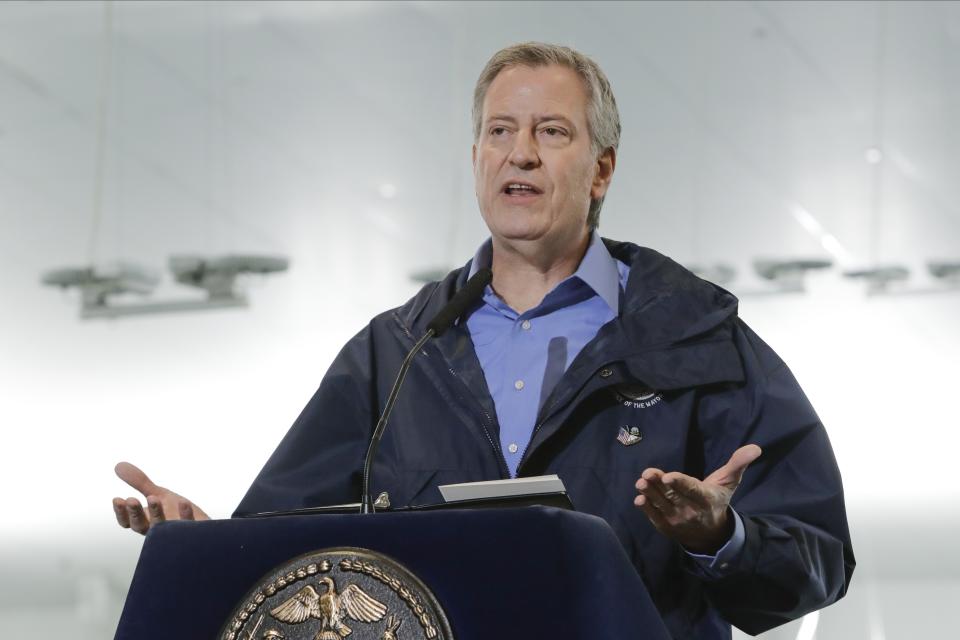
(518, 385)
(512, 448)
(526, 325)
(606, 373)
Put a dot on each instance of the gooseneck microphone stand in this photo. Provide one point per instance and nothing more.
(467, 294)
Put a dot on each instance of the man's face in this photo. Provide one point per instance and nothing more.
(533, 166)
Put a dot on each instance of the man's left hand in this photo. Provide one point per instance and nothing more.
(694, 512)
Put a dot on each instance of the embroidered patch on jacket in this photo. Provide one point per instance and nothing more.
(637, 396)
(630, 436)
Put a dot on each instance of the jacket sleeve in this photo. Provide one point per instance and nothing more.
(320, 460)
(797, 555)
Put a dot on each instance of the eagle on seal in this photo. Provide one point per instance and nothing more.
(330, 608)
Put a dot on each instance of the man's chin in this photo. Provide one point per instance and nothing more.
(518, 234)
(518, 224)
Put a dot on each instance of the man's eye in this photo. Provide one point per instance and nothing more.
(554, 131)
(497, 131)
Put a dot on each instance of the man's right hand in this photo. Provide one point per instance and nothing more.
(162, 504)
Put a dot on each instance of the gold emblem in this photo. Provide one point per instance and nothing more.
(330, 608)
(390, 633)
(335, 593)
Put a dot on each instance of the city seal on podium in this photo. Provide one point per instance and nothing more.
(334, 593)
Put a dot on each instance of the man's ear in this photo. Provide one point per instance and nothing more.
(606, 164)
(473, 155)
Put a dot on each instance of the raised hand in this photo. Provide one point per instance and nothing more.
(694, 512)
(162, 504)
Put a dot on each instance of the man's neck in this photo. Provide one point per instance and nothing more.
(524, 273)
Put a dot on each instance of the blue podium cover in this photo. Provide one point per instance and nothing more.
(531, 572)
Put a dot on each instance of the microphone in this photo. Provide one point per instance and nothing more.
(469, 293)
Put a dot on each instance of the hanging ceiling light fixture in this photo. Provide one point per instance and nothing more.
(946, 272)
(719, 273)
(879, 279)
(100, 286)
(788, 276)
(217, 277)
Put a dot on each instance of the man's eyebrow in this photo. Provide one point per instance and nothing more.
(544, 118)
(555, 116)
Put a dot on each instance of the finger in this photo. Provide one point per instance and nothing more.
(652, 489)
(155, 507)
(731, 473)
(138, 519)
(685, 486)
(670, 493)
(649, 477)
(651, 473)
(650, 485)
(136, 478)
(120, 511)
(654, 479)
(653, 514)
(185, 509)
(745, 455)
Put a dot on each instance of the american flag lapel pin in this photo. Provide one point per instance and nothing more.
(629, 436)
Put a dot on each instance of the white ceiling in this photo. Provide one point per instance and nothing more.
(269, 126)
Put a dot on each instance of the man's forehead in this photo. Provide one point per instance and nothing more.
(545, 90)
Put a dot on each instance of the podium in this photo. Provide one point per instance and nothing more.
(530, 572)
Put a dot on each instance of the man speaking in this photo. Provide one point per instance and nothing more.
(601, 361)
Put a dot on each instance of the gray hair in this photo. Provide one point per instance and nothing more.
(603, 118)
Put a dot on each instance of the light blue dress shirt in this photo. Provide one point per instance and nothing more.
(524, 355)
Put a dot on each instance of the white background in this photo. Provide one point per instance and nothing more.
(277, 128)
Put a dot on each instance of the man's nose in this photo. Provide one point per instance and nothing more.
(524, 154)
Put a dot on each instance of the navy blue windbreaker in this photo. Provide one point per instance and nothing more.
(677, 365)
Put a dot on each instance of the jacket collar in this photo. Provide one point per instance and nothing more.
(674, 330)
(598, 270)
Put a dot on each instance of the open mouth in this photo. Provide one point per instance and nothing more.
(521, 189)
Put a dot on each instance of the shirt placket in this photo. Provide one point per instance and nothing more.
(522, 385)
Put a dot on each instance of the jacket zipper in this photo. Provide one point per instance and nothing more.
(504, 469)
(497, 451)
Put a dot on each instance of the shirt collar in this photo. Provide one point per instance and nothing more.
(598, 269)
